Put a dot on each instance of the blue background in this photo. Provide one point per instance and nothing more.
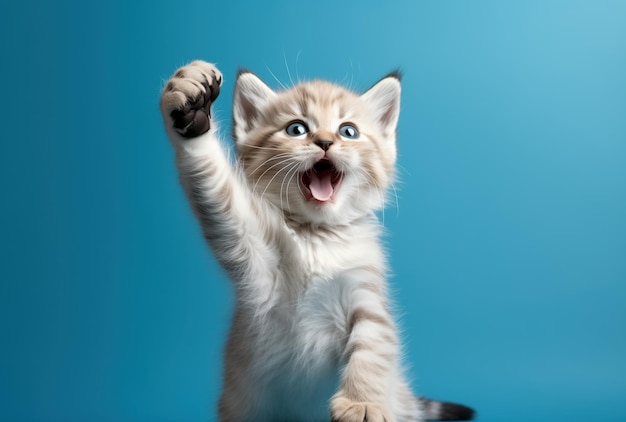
(508, 244)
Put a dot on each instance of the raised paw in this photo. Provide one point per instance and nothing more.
(187, 98)
(346, 410)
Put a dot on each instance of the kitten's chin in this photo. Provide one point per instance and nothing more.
(320, 183)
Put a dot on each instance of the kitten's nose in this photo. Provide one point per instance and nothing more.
(323, 143)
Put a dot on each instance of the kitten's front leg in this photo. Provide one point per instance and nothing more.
(371, 360)
(232, 219)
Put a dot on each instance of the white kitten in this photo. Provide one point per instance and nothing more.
(292, 221)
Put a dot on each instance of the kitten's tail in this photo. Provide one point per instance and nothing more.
(444, 411)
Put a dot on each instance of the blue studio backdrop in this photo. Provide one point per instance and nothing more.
(507, 242)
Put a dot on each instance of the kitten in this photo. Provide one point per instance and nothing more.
(293, 224)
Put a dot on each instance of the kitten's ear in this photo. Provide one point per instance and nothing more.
(384, 100)
(251, 97)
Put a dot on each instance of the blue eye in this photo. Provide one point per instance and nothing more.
(348, 131)
(296, 129)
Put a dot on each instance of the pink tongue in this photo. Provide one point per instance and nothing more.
(321, 188)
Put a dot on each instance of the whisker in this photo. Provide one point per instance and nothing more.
(401, 167)
(268, 169)
(297, 58)
(286, 189)
(350, 86)
(358, 186)
(294, 168)
(272, 179)
(264, 148)
(343, 80)
(274, 157)
(277, 80)
(298, 169)
(282, 184)
(375, 188)
(287, 67)
(395, 194)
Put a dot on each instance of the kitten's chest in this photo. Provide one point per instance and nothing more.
(331, 269)
(326, 255)
(310, 325)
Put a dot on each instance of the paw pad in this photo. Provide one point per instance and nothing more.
(188, 97)
(194, 118)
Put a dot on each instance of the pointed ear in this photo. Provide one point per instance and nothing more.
(384, 100)
(251, 97)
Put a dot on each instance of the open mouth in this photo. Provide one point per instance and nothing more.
(321, 181)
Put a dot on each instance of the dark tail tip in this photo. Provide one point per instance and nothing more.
(446, 411)
(456, 412)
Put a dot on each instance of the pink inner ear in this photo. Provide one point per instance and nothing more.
(252, 95)
(249, 110)
(384, 98)
(321, 186)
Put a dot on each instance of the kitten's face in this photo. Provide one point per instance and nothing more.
(320, 153)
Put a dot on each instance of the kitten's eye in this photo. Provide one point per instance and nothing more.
(349, 132)
(296, 129)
